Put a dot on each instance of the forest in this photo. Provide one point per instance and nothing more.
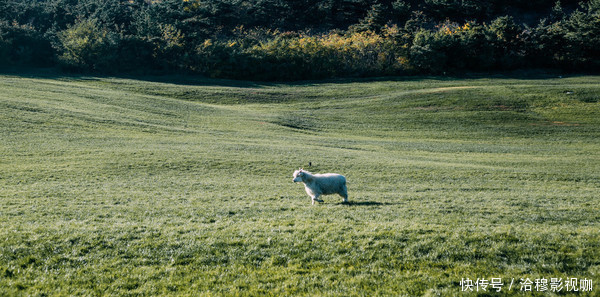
(295, 40)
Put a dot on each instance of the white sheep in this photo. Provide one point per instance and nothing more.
(322, 184)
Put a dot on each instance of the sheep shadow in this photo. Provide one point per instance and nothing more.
(366, 203)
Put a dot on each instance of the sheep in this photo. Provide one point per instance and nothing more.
(322, 184)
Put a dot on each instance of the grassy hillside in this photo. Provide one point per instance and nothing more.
(183, 187)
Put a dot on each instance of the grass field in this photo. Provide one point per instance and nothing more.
(181, 186)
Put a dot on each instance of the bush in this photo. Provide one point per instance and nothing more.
(294, 56)
(571, 42)
(133, 54)
(505, 38)
(82, 45)
(23, 45)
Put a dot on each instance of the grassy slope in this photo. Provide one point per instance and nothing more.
(120, 186)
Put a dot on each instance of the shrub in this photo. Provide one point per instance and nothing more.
(293, 56)
(81, 45)
(571, 42)
(505, 38)
(427, 52)
(23, 45)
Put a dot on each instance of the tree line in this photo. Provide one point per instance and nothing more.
(289, 40)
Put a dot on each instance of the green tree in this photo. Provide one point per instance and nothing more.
(426, 53)
(557, 13)
(572, 42)
(81, 45)
(375, 19)
(400, 11)
(504, 37)
(23, 45)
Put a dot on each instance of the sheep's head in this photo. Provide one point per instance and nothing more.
(298, 175)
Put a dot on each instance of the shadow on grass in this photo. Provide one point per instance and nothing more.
(367, 203)
(201, 80)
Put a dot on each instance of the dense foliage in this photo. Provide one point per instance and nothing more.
(275, 39)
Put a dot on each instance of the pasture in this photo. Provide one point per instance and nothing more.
(183, 186)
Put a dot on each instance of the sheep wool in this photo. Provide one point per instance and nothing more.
(322, 184)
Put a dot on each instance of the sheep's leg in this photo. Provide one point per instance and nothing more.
(345, 199)
(344, 194)
(316, 198)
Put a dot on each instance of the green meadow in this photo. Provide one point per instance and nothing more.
(183, 186)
